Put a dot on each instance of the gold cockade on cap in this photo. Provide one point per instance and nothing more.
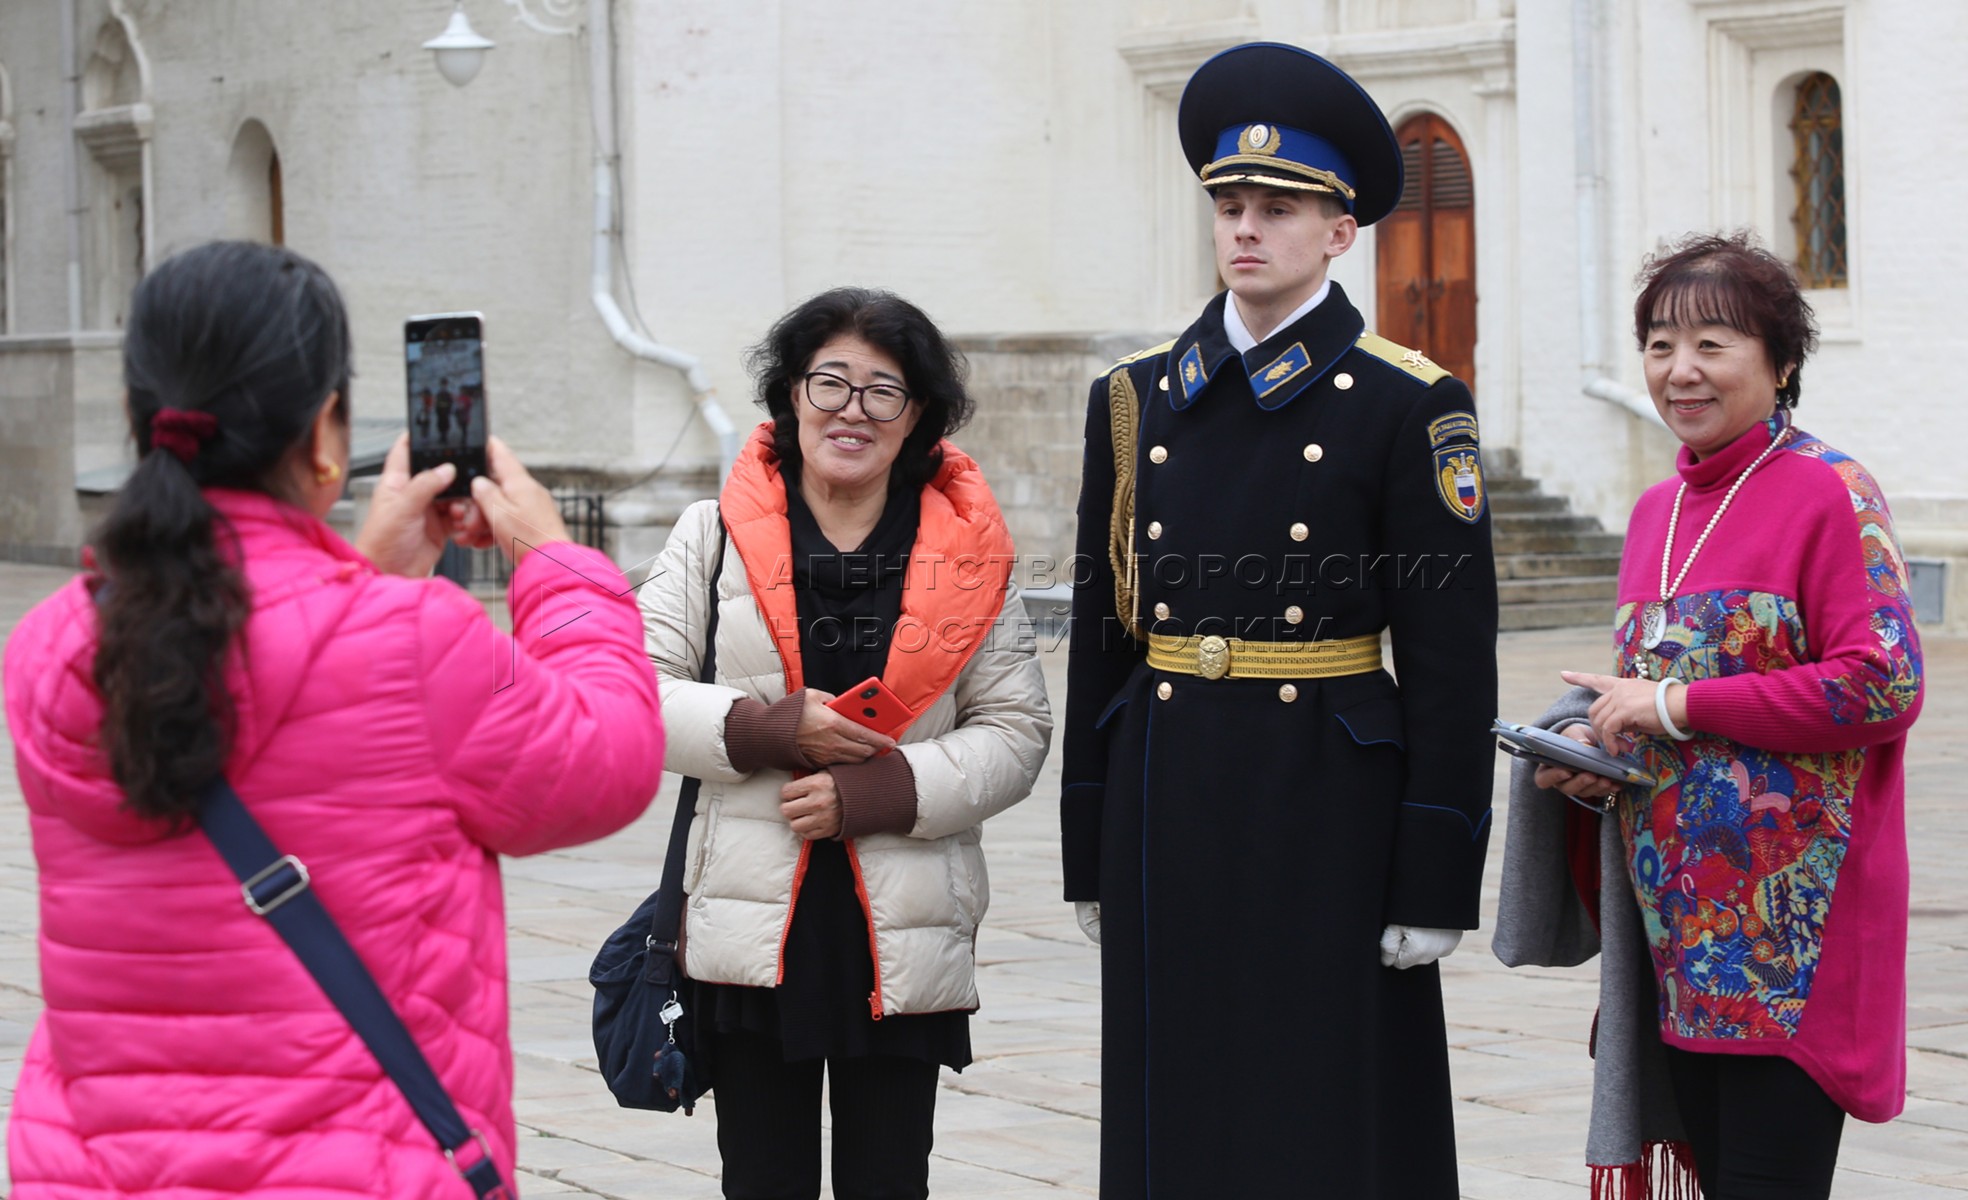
(1260, 139)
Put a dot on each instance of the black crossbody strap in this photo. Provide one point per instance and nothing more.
(276, 886)
(667, 918)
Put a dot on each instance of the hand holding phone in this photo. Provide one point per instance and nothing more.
(870, 703)
(832, 731)
(407, 526)
(1557, 750)
(509, 508)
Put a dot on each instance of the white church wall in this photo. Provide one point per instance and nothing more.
(415, 195)
(1885, 394)
(1695, 137)
(1573, 443)
(705, 195)
(27, 35)
(998, 166)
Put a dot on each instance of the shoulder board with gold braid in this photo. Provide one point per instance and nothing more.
(1414, 362)
(1138, 355)
(1124, 420)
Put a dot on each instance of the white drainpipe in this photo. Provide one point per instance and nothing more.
(1595, 379)
(601, 84)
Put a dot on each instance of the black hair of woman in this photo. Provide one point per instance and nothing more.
(933, 371)
(1729, 279)
(230, 353)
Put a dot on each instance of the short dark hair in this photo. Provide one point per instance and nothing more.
(932, 370)
(1728, 279)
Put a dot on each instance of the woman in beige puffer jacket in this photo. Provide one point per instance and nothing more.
(975, 752)
(835, 874)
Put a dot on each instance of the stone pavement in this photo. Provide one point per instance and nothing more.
(1021, 1123)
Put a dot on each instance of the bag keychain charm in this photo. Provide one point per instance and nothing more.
(669, 1063)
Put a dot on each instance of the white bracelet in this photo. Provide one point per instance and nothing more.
(1660, 710)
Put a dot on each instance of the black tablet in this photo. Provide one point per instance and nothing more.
(1557, 750)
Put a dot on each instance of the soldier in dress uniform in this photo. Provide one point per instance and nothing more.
(1270, 838)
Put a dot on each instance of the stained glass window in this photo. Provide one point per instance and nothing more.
(1818, 170)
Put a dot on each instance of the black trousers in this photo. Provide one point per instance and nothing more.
(768, 1122)
(1761, 1128)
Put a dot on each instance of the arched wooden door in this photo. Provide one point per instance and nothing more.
(1425, 250)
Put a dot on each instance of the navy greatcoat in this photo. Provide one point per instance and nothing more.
(1248, 849)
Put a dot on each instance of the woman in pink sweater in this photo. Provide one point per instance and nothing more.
(371, 718)
(1767, 672)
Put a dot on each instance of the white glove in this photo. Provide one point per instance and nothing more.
(1088, 911)
(1404, 946)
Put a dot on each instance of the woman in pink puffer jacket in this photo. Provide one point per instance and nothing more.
(374, 721)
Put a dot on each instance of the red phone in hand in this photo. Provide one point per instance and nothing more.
(870, 703)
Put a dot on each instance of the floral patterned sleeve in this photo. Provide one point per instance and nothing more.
(1859, 681)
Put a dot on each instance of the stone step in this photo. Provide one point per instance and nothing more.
(1561, 521)
(1560, 615)
(1550, 566)
(1601, 589)
(1509, 485)
(1517, 503)
(1557, 541)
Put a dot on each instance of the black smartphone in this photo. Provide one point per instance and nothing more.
(1557, 750)
(444, 364)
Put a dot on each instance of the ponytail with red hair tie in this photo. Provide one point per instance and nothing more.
(181, 431)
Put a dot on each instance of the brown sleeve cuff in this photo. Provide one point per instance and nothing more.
(758, 735)
(876, 796)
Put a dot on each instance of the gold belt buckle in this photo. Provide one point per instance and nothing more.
(1213, 657)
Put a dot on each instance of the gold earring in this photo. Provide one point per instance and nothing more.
(1784, 382)
(328, 474)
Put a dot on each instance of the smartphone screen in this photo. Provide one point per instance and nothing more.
(444, 363)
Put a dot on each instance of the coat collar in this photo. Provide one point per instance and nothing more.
(952, 593)
(280, 544)
(1279, 368)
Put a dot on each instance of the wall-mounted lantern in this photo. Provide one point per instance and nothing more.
(459, 50)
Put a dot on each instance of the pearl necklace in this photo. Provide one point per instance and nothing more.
(1654, 614)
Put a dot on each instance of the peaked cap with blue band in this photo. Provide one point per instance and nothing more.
(1275, 115)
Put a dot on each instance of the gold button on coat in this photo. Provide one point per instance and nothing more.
(1161, 612)
(1154, 530)
(1164, 691)
(1158, 455)
(1342, 381)
(1294, 614)
(1299, 532)
(1288, 692)
(1314, 452)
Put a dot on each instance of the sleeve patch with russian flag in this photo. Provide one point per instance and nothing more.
(1459, 481)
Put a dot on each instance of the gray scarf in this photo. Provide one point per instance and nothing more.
(1541, 922)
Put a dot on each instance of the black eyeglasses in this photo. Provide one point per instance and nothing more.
(830, 393)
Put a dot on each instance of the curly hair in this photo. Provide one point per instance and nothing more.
(1728, 279)
(932, 370)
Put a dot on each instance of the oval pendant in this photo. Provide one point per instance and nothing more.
(1653, 623)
